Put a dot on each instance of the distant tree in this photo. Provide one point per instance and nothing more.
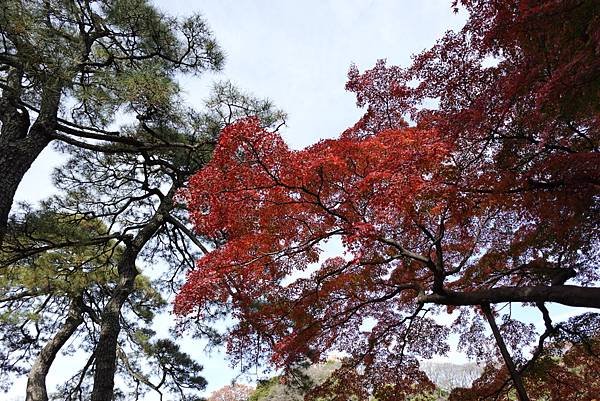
(489, 198)
(318, 382)
(234, 392)
(296, 384)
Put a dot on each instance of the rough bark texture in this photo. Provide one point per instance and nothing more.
(571, 295)
(110, 328)
(36, 380)
(20, 143)
(16, 158)
(106, 349)
(514, 374)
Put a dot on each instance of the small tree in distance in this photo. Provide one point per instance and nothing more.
(233, 392)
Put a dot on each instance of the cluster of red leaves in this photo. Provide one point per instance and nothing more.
(495, 188)
(519, 92)
(384, 92)
(272, 209)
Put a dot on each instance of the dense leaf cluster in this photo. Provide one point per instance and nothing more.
(488, 198)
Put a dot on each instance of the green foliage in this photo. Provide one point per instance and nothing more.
(296, 384)
(50, 258)
(105, 54)
(436, 395)
(182, 368)
(263, 389)
(56, 254)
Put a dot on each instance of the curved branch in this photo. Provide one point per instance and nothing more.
(36, 380)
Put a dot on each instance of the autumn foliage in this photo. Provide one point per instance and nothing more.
(490, 197)
(234, 392)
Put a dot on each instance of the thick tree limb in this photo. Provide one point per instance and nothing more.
(588, 297)
(36, 380)
(106, 348)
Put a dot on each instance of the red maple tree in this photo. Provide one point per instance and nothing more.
(491, 197)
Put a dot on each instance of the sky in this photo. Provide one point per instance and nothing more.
(297, 54)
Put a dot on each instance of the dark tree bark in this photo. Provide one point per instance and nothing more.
(106, 349)
(16, 158)
(105, 365)
(571, 295)
(20, 142)
(36, 380)
(510, 364)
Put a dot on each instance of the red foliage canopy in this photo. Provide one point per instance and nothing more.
(491, 197)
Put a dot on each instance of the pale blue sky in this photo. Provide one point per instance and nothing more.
(296, 53)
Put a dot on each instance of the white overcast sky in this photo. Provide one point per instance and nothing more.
(297, 54)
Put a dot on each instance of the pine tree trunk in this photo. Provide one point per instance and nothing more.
(20, 141)
(16, 158)
(36, 380)
(106, 349)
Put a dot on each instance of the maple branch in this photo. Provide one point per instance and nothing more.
(546, 316)
(404, 251)
(510, 364)
(550, 331)
(571, 295)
